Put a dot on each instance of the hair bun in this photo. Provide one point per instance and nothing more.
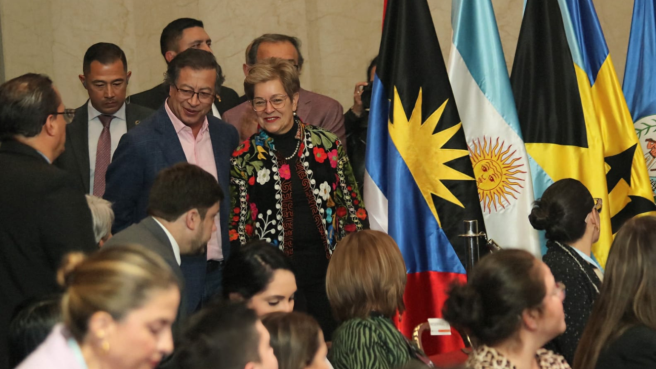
(67, 269)
(464, 307)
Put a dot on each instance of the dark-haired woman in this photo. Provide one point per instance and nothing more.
(297, 341)
(570, 216)
(262, 276)
(621, 332)
(511, 306)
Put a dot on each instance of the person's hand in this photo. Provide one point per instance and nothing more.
(357, 98)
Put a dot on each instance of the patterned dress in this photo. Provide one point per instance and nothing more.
(485, 357)
(261, 190)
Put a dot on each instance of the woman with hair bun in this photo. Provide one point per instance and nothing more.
(118, 309)
(570, 216)
(621, 332)
(511, 306)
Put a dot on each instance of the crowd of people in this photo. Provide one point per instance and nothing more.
(188, 227)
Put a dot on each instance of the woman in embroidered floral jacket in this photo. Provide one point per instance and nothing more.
(292, 185)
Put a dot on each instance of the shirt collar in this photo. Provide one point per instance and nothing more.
(93, 113)
(44, 156)
(174, 243)
(177, 123)
(589, 258)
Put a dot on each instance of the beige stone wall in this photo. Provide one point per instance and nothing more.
(339, 36)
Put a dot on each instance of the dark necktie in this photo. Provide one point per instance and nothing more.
(103, 156)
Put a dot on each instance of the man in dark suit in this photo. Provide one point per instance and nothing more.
(315, 109)
(178, 36)
(177, 225)
(179, 131)
(43, 216)
(90, 144)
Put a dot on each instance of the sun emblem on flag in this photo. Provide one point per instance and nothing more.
(498, 175)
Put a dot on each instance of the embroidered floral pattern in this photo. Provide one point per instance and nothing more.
(323, 168)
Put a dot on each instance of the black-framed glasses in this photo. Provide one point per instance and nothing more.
(203, 96)
(68, 114)
(278, 102)
(598, 204)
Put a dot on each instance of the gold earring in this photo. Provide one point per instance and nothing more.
(105, 344)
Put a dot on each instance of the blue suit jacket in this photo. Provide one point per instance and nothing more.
(152, 146)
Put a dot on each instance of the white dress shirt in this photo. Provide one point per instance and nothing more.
(174, 243)
(215, 111)
(117, 128)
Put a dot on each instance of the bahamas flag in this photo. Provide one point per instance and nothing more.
(420, 184)
(479, 78)
(572, 113)
(640, 80)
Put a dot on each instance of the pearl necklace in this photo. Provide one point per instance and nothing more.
(298, 144)
(580, 266)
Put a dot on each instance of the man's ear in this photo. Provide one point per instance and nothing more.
(169, 55)
(51, 127)
(127, 77)
(192, 219)
(83, 79)
(246, 68)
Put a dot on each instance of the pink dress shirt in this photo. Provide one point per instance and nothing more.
(198, 151)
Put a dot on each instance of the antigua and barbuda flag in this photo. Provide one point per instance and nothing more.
(572, 113)
(640, 80)
(480, 83)
(419, 181)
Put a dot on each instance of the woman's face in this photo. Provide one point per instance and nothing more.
(143, 337)
(319, 361)
(278, 295)
(552, 317)
(276, 119)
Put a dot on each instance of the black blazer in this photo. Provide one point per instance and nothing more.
(635, 349)
(75, 158)
(152, 146)
(43, 216)
(226, 98)
(149, 234)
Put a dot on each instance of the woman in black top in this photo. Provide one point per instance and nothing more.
(570, 216)
(292, 186)
(621, 332)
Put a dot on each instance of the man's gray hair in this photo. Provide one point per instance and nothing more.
(103, 217)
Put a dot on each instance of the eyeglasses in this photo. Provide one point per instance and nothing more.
(204, 97)
(68, 114)
(278, 102)
(598, 204)
(560, 288)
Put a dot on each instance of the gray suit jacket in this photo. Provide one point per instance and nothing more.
(150, 235)
(75, 158)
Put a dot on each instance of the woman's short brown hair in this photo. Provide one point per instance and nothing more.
(294, 338)
(115, 280)
(366, 273)
(269, 70)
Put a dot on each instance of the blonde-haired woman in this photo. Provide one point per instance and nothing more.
(365, 283)
(118, 309)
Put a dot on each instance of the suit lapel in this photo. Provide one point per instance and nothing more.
(218, 147)
(78, 135)
(169, 142)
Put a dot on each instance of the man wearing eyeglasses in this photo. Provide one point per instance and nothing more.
(178, 36)
(315, 109)
(179, 131)
(43, 216)
(99, 124)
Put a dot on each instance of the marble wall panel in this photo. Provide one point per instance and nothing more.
(339, 36)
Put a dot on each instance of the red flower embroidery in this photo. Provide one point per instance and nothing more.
(341, 211)
(333, 157)
(251, 181)
(361, 213)
(350, 228)
(235, 218)
(242, 148)
(249, 229)
(284, 171)
(236, 210)
(233, 235)
(254, 211)
(355, 202)
(319, 154)
(349, 188)
(353, 194)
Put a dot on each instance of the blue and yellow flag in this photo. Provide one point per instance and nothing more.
(419, 181)
(573, 115)
(640, 80)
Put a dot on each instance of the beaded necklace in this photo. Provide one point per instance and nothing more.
(580, 266)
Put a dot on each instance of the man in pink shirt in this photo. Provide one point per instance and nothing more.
(180, 131)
